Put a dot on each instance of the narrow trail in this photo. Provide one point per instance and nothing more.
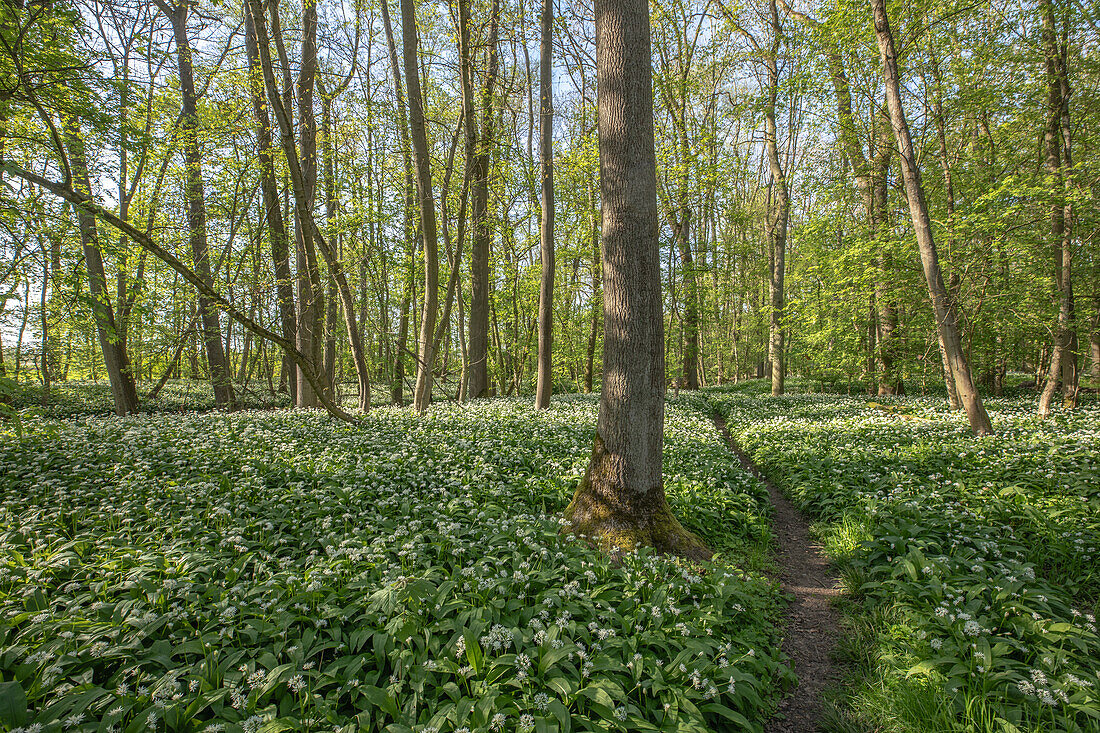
(813, 625)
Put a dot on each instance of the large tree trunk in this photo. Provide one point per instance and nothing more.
(922, 227)
(482, 227)
(621, 500)
(220, 376)
(273, 213)
(545, 381)
(423, 164)
(115, 356)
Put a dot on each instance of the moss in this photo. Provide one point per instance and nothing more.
(619, 519)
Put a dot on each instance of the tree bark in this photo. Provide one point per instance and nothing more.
(278, 240)
(220, 377)
(596, 304)
(397, 384)
(922, 227)
(1058, 164)
(621, 500)
(545, 379)
(422, 162)
(779, 216)
(310, 299)
(482, 227)
(115, 356)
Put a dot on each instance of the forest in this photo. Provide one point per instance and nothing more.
(464, 365)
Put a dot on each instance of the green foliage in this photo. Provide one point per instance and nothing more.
(971, 563)
(281, 571)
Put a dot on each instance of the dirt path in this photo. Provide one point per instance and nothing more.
(812, 623)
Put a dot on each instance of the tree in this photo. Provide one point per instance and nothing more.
(621, 500)
(777, 221)
(220, 376)
(422, 161)
(545, 384)
(1058, 162)
(946, 323)
(398, 383)
(482, 227)
(115, 356)
(278, 240)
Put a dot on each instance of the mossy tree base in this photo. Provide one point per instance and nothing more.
(617, 518)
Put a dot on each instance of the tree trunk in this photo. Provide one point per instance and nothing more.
(482, 228)
(621, 500)
(273, 213)
(397, 385)
(887, 312)
(220, 377)
(423, 164)
(596, 304)
(310, 299)
(328, 358)
(44, 320)
(1059, 165)
(922, 227)
(1094, 343)
(780, 214)
(545, 380)
(115, 356)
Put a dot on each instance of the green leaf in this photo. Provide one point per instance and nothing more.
(13, 704)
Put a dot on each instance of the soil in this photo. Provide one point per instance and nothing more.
(812, 623)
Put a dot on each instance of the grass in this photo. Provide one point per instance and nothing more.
(972, 565)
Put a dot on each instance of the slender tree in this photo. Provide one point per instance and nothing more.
(115, 356)
(422, 161)
(1058, 163)
(278, 241)
(545, 384)
(220, 376)
(922, 227)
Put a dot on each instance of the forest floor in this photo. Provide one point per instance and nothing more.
(968, 566)
(812, 624)
(198, 569)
